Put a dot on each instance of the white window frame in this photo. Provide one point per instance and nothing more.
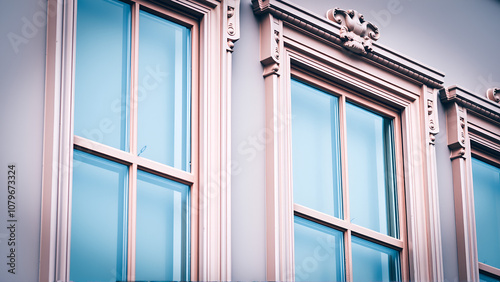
(218, 26)
(473, 129)
(293, 37)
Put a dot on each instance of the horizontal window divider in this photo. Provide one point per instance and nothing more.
(103, 151)
(320, 217)
(127, 158)
(376, 237)
(489, 269)
(165, 171)
(343, 225)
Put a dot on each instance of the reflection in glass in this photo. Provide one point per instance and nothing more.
(162, 245)
(164, 92)
(102, 72)
(371, 170)
(485, 278)
(486, 183)
(316, 149)
(373, 262)
(319, 252)
(98, 219)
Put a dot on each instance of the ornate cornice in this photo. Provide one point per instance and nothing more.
(324, 28)
(471, 101)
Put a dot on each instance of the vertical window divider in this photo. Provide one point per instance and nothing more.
(134, 52)
(348, 256)
(401, 203)
(345, 185)
(132, 222)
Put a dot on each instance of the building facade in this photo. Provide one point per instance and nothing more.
(243, 140)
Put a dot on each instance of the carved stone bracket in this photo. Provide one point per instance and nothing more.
(493, 94)
(271, 44)
(432, 117)
(356, 33)
(233, 23)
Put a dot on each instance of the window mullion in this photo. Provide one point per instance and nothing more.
(132, 212)
(348, 256)
(134, 62)
(343, 158)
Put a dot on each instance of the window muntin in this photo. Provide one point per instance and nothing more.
(384, 240)
(486, 183)
(172, 181)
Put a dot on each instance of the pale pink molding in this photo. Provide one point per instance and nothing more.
(473, 126)
(212, 255)
(312, 44)
(329, 30)
(356, 33)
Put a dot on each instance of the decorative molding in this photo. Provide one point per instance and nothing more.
(470, 101)
(233, 23)
(432, 116)
(218, 23)
(356, 33)
(329, 30)
(493, 94)
(271, 44)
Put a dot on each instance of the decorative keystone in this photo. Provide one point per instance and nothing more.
(356, 33)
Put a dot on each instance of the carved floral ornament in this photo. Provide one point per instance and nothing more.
(493, 94)
(356, 33)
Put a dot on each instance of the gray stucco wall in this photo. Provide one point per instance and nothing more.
(22, 65)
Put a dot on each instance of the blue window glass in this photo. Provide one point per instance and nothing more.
(319, 252)
(102, 89)
(373, 262)
(486, 278)
(164, 92)
(316, 149)
(162, 245)
(371, 170)
(98, 219)
(486, 183)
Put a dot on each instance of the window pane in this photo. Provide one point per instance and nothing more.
(372, 184)
(486, 183)
(316, 150)
(319, 252)
(164, 93)
(98, 219)
(102, 72)
(162, 246)
(373, 262)
(485, 278)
